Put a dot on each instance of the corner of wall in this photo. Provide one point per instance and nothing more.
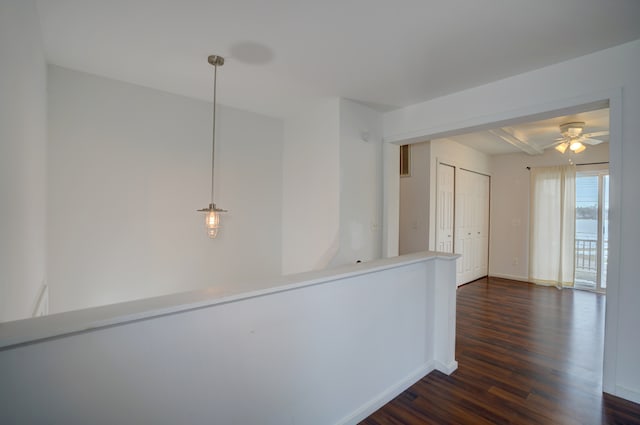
(23, 151)
(310, 186)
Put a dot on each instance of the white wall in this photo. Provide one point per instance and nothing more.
(418, 192)
(332, 186)
(23, 147)
(390, 199)
(459, 155)
(609, 74)
(509, 243)
(129, 167)
(311, 187)
(329, 352)
(360, 184)
(414, 201)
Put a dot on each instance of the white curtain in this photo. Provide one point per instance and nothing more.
(552, 225)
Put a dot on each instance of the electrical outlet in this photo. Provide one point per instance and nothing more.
(516, 261)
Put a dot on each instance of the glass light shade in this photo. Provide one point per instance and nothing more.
(577, 147)
(211, 213)
(562, 147)
(212, 223)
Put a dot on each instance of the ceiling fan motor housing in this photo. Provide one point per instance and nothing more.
(571, 129)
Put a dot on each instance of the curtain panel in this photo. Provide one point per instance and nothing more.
(552, 225)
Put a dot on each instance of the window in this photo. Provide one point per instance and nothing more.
(592, 233)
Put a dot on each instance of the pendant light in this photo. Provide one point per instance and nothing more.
(212, 213)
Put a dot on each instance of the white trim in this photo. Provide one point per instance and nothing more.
(446, 368)
(505, 118)
(396, 389)
(510, 277)
(387, 395)
(627, 393)
(610, 361)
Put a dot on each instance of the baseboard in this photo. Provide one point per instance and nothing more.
(387, 395)
(627, 394)
(510, 277)
(447, 368)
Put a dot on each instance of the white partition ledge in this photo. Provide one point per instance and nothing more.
(325, 347)
(35, 329)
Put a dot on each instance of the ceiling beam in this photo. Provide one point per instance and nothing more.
(514, 141)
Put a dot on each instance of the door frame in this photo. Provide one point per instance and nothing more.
(553, 106)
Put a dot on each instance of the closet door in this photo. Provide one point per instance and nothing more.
(472, 225)
(464, 225)
(481, 227)
(445, 208)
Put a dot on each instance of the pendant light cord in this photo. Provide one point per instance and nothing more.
(213, 137)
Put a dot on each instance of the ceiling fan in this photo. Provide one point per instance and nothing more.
(573, 138)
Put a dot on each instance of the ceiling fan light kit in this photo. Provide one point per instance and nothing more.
(577, 147)
(573, 139)
(571, 130)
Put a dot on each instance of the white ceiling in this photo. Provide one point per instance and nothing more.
(539, 134)
(282, 52)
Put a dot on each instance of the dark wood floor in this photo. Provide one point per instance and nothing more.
(526, 355)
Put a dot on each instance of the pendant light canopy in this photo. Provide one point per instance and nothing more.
(212, 213)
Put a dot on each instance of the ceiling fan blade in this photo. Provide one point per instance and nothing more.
(557, 142)
(592, 141)
(560, 139)
(596, 134)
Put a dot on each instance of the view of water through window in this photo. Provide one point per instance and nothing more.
(588, 253)
(587, 207)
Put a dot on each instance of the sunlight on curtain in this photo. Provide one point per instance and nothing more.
(552, 225)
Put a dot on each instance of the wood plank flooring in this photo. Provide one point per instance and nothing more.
(526, 355)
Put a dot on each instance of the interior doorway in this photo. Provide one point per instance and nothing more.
(609, 99)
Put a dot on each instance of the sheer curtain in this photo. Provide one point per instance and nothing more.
(552, 225)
